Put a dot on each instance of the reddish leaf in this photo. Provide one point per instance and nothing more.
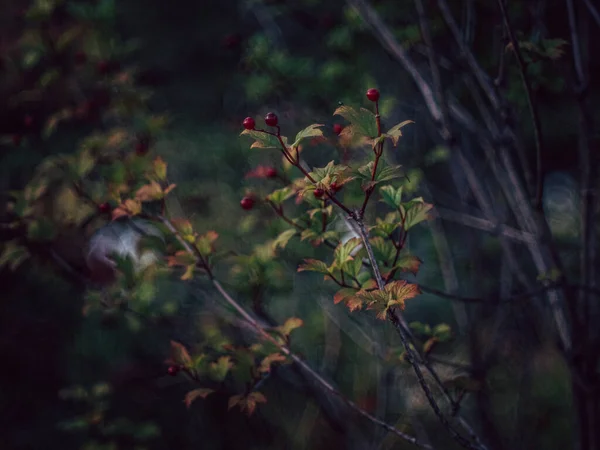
(179, 354)
(196, 393)
(265, 365)
(343, 294)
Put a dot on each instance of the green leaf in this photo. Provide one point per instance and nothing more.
(420, 329)
(383, 250)
(343, 252)
(415, 212)
(264, 140)
(160, 169)
(48, 78)
(205, 243)
(290, 325)
(328, 173)
(314, 265)
(362, 122)
(280, 195)
(353, 267)
(41, 229)
(218, 370)
(282, 240)
(395, 132)
(391, 196)
(383, 173)
(384, 228)
(13, 255)
(386, 173)
(442, 332)
(309, 132)
(408, 263)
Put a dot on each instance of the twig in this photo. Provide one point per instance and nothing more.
(405, 336)
(284, 349)
(593, 11)
(537, 126)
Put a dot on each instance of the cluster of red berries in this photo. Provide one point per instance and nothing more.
(271, 120)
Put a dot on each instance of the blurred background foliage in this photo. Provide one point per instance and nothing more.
(100, 382)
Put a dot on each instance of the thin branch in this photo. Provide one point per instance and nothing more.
(537, 126)
(284, 349)
(593, 11)
(482, 78)
(401, 327)
(483, 224)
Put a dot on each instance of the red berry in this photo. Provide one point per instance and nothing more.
(271, 119)
(247, 203)
(104, 207)
(334, 187)
(28, 120)
(16, 138)
(79, 57)
(270, 172)
(373, 94)
(249, 123)
(337, 128)
(319, 193)
(173, 370)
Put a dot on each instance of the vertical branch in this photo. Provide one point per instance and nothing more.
(403, 331)
(537, 126)
(587, 403)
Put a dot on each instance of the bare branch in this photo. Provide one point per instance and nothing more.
(537, 126)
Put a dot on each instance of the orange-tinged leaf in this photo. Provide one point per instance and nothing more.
(169, 188)
(181, 258)
(354, 303)
(314, 265)
(401, 291)
(149, 192)
(369, 285)
(429, 344)
(189, 273)
(343, 294)
(408, 263)
(179, 354)
(183, 226)
(205, 243)
(248, 404)
(290, 325)
(195, 394)
(265, 364)
(233, 400)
